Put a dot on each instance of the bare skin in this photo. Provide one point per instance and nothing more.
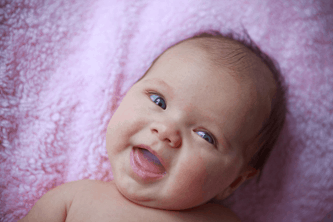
(90, 200)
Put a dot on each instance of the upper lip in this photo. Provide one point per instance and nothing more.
(143, 146)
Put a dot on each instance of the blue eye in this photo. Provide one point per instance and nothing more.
(158, 100)
(206, 137)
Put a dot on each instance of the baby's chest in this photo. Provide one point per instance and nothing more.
(106, 207)
(99, 209)
(94, 213)
(102, 211)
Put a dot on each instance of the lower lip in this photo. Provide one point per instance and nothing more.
(141, 171)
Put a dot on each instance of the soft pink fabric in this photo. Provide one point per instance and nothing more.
(65, 65)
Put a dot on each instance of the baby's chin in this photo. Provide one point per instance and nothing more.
(165, 205)
(161, 203)
(155, 196)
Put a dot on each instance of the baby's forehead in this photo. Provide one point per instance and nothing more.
(228, 56)
(242, 63)
(226, 53)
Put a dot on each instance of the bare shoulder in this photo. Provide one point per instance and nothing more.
(53, 205)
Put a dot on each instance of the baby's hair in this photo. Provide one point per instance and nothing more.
(272, 127)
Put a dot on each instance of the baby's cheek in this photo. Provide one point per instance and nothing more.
(126, 122)
(188, 188)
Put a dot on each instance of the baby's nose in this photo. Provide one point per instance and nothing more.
(168, 132)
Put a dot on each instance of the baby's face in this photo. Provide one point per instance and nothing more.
(194, 118)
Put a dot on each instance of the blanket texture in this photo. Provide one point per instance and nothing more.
(65, 65)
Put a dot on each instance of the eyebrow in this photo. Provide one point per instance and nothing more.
(163, 84)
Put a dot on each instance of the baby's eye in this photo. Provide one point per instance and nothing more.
(158, 100)
(206, 137)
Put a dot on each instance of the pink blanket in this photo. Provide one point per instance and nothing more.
(66, 64)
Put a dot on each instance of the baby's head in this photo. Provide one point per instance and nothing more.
(201, 121)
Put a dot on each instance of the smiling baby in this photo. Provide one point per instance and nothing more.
(201, 121)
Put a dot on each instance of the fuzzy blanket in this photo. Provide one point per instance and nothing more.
(66, 64)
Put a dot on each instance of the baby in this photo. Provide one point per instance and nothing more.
(199, 123)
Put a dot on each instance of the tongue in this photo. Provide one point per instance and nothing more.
(150, 157)
(149, 161)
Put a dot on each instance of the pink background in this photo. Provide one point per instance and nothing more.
(65, 65)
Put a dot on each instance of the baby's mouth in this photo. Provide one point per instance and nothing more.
(147, 162)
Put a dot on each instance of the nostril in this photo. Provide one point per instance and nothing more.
(178, 144)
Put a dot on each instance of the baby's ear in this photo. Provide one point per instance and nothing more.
(246, 175)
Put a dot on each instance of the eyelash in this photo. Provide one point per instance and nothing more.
(159, 95)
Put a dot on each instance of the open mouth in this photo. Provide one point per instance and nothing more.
(146, 164)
